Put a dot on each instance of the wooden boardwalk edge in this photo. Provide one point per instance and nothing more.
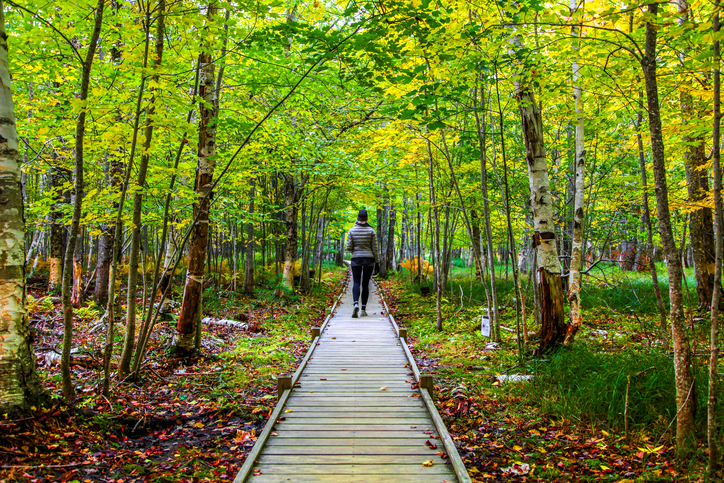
(268, 428)
(455, 460)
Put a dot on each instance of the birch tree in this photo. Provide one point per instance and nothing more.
(19, 383)
(574, 279)
(193, 288)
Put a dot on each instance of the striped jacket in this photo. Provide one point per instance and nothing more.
(362, 242)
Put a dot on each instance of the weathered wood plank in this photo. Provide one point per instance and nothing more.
(352, 442)
(350, 459)
(357, 470)
(331, 434)
(419, 450)
(377, 478)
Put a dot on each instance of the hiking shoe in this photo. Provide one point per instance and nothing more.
(363, 313)
(355, 312)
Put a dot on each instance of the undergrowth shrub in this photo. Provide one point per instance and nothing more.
(584, 385)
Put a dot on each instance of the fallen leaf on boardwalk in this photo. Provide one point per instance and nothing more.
(428, 463)
(322, 378)
(430, 445)
(289, 411)
(275, 434)
(383, 388)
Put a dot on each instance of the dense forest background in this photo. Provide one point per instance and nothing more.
(547, 165)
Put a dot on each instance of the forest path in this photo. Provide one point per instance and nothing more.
(354, 411)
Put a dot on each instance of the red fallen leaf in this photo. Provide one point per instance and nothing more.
(430, 445)
(322, 378)
(282, 418)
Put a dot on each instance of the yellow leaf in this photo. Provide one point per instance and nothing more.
(427, 463)
(290, 410)
(199, 425)
(518, 448)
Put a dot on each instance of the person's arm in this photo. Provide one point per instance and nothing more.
(375, 251)
(350, 242)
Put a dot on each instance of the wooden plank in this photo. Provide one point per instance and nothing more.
(352, 442)
(311, 469)
(351, 426)
(351, 459)
(389, 478)
(371, 449)
(330, 434)
(315, 411)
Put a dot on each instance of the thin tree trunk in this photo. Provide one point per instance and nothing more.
(56, 230)
(505, 195)
(480, 123)
(647, 222)
(68, 390)
(77, 296)
(435, 241)
(186, 325)
(712, 402)
(249, 264)
(574, 278)
(685, 391)
(391, 220)
(124, 366)
(292, 194)
(19, 384)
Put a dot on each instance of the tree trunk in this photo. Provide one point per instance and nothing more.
(20, 386)
(186, 324)
(553, 325)
(712, 402)
(574, 278)
(647, 222)
(685, 391)
(77, 295)
(390, 249)
(249, 263)
(124, 365)
(340, 253)
(697, 182)
(292, 195)
(435, 242)
(56, 230)
(68, 390)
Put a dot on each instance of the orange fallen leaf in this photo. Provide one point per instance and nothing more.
(383, 388)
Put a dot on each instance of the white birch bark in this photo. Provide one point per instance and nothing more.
(19, 384)
(574, 279)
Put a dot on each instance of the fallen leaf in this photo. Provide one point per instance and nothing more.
(428, 463)
(383, 388)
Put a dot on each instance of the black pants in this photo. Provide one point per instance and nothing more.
(361, 274)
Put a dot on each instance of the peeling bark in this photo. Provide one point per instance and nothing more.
(190, 305)
(20, 386)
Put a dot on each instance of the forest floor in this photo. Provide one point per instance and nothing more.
(196, 420)
(527, 430)
(189, 420)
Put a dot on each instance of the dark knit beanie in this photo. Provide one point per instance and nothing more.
(362, 216)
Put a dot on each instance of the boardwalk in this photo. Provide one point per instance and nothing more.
(355, 413)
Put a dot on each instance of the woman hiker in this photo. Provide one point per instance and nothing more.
(362, 242)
